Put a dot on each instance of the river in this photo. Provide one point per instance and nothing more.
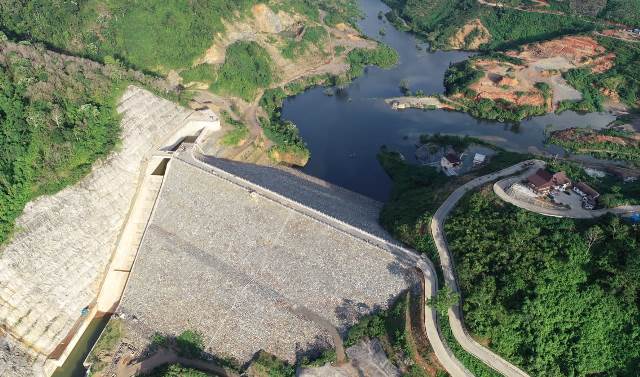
(345, 132)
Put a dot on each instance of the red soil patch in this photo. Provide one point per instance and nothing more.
(592, 137)
(581, 51)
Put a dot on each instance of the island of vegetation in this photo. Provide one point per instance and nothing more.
(609, 143)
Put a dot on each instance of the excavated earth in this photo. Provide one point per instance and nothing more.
(542, 62)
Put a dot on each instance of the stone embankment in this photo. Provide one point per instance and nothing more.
(51, 271)
(427, 103)
(250, 273)
(335, 207)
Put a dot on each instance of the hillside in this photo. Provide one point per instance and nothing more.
(151, 35)
(487, 27)
(226, 53)
(537, 289)
(58, 117)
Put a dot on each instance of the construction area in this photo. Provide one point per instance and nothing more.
(542, 62)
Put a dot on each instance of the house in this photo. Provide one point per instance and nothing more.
(479, 159)
(543, 181)
(588, 194)
(561, 181)
(450, 161)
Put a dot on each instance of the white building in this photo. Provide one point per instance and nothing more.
(479, 159)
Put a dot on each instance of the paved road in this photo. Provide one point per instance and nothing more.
(455, 313)
(574, 213)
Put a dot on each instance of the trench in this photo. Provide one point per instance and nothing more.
(73, 366)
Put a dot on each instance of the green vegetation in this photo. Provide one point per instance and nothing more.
(176, 370)
(246, 69)
(283, 133)
(190, 344)
(111, 335)
(419, 190)
(201, 73)
(55, 122)
(459, 76)
(393, 330)
(327, 356)
(382, 56)
(556, 296)
(474, 365)
(623, 79)
(268, 365)
(152, 35)
(444, 299)
(511, 28)
(237, 134)
(417, 193)
(582, 79)
(584, 140)
(623, 11)
(313, 36)
(439, 20)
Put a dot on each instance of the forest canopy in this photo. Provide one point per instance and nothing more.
(555, 296)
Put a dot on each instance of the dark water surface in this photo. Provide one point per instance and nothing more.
(344, 132)
(73, 366)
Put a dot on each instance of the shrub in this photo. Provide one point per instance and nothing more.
(190, 344)
(246, 69)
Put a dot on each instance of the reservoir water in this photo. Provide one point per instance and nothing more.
(345, 132)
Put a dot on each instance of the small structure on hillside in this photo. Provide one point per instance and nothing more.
(543, 181)
(479, 159)
(588, 194)
(450, 162)
(198, 124)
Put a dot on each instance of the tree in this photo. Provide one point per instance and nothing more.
(443, 300)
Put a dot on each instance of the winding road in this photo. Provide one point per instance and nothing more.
(437, 230)
(499, 188)
(455, 313)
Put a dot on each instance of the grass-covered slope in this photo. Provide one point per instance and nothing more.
(154, 35)
(439, 20)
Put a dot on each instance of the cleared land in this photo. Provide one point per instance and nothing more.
(251, 273)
